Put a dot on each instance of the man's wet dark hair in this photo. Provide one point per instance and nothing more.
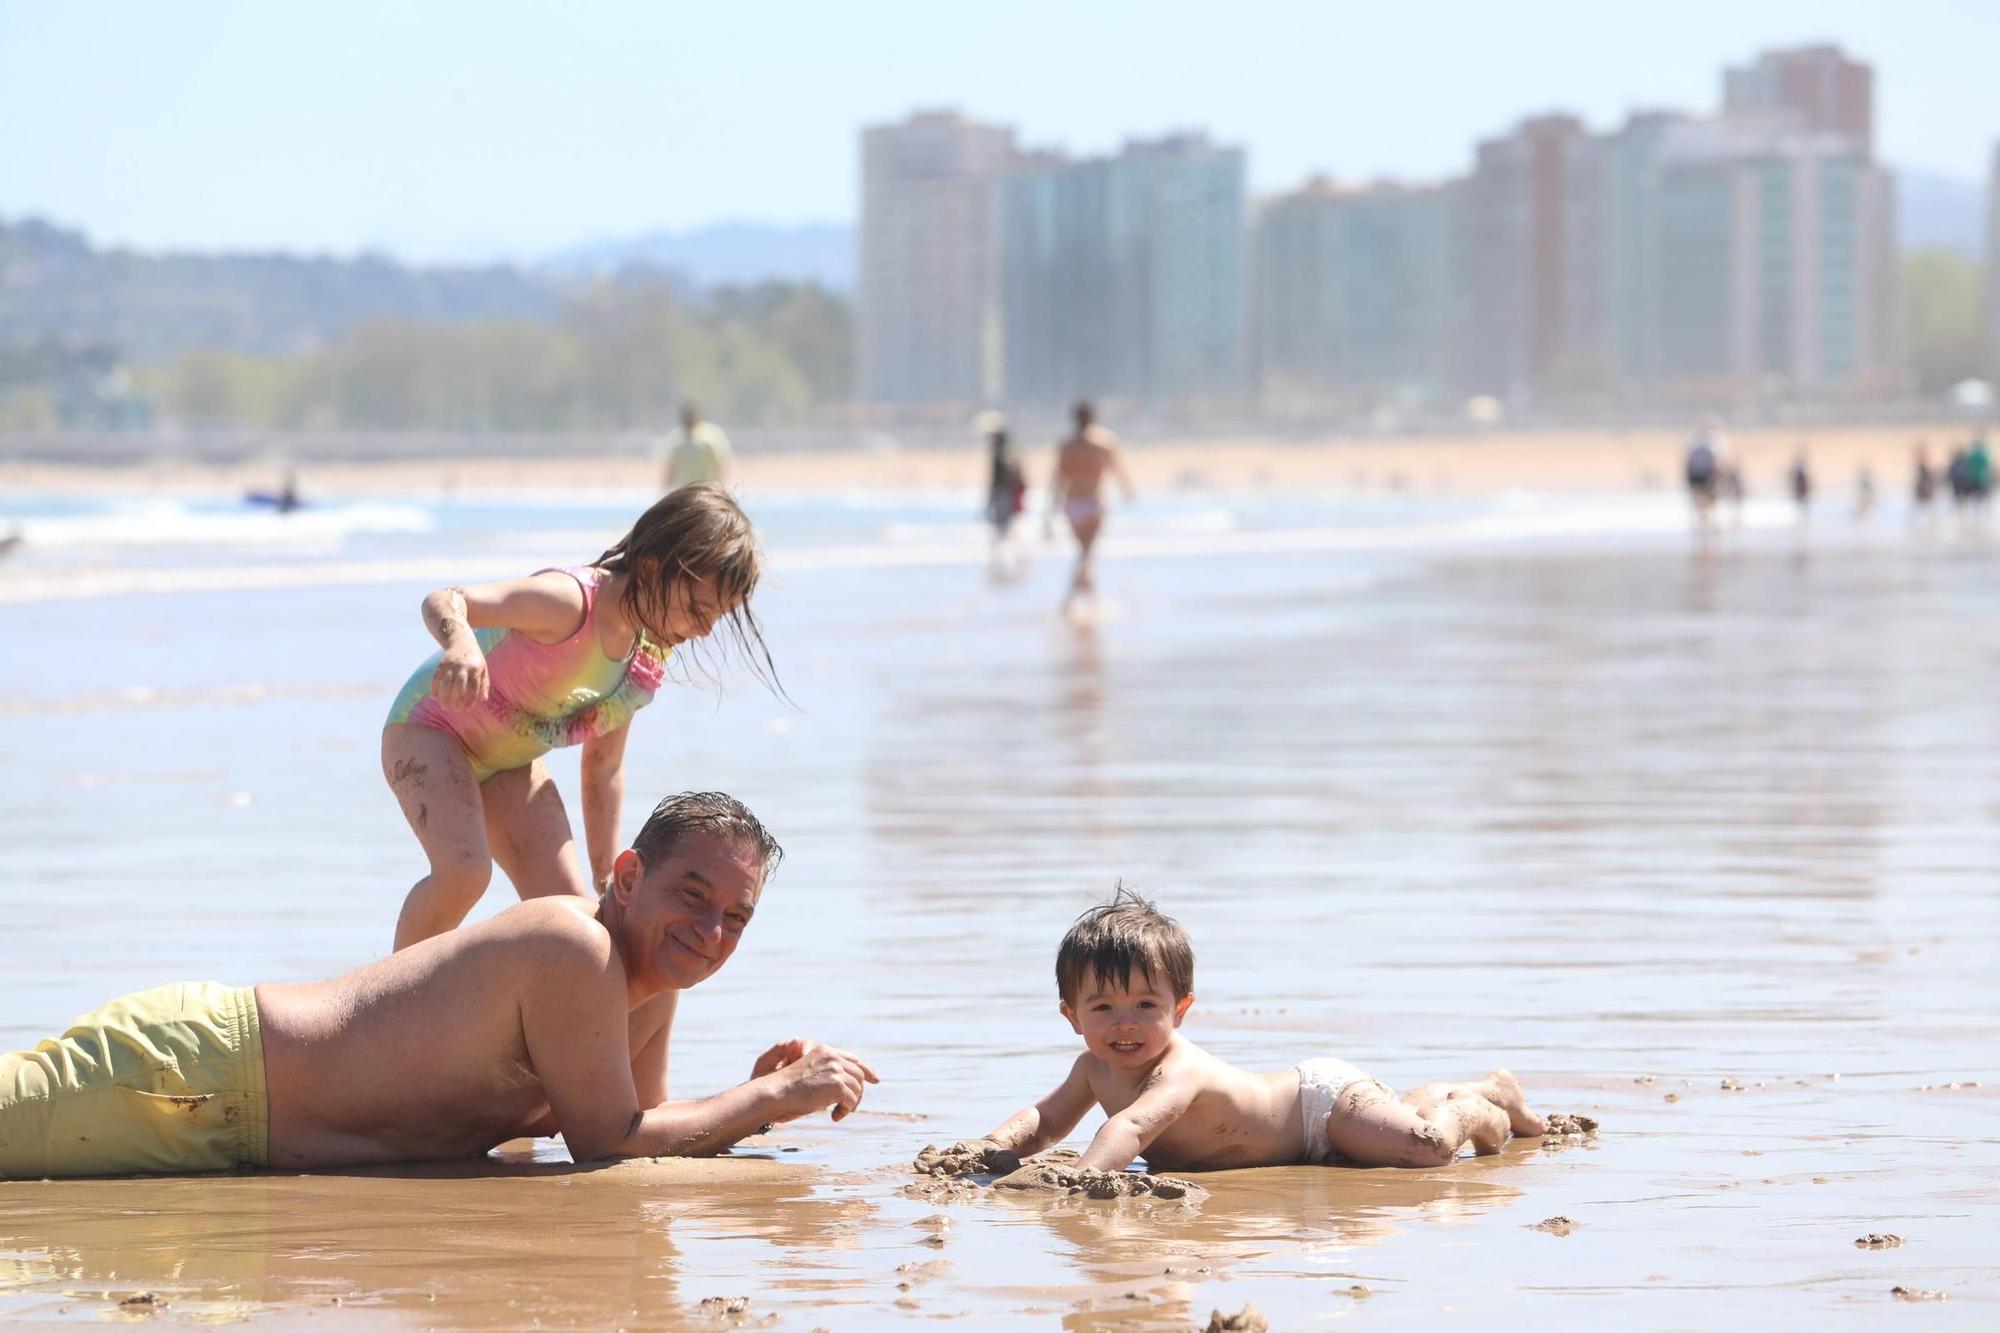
(1083, 412)
(1111, 941)
(709, 812)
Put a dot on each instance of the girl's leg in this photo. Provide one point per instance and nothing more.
(433, 783)
(530, 833)
(1428, 1127)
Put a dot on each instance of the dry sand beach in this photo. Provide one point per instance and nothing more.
(1465, 462)
(1698, 843)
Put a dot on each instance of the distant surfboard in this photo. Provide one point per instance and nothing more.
(277, 500)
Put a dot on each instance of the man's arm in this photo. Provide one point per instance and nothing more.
(603, 774)
(1126, 1135)
(1048, 1121)
(576, 1019)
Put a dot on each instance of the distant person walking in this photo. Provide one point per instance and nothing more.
(1979, 475)
(1703, 472)
(1078, 489)
(1802, 484)
(1923, 479)
(1006, 497)
(695, 451)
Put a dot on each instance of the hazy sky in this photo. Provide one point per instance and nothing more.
(440, 129)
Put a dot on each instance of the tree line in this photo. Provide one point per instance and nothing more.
(615, 357)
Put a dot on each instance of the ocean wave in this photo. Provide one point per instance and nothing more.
(173, 523)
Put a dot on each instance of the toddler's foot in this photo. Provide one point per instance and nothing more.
(1504, 1091)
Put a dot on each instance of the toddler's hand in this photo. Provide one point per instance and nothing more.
(967, 1157)
(460, 680)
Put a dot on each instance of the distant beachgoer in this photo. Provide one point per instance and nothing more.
(1703, 470)
(1078, 490)
(552, 1017)
(1800, 479)
(695, 451)
(1923, 478)
(1958, 475)
(562, 657)
(1864, 493)
(1979, 472)
(1006, 496)
(1125, 975)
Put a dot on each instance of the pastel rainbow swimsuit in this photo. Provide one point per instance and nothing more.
(540, 696)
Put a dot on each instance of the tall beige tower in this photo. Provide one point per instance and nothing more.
(928, 282)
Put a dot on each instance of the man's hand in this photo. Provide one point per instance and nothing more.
(784, 1053)
(819, 1076)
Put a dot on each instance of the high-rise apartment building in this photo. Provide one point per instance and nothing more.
(1519, 258)
(1777, 253)
(929, 266)
(1352, 296)
(1122, 277)
(1816, 88)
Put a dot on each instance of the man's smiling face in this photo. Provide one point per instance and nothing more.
(683, 917)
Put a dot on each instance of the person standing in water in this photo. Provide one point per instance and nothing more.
(1082, 461)
(695, 452)
(1006, 494)
(562, 657)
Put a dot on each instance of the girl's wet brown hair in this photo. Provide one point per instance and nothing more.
(696, 532)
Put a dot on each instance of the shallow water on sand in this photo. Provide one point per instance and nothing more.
(1631, 821)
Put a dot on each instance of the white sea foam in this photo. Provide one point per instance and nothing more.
(1525, 519)
(172, 523)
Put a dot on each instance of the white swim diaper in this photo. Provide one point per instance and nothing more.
(1320, 1084)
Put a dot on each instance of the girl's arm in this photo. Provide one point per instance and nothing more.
(1048, 1121)
(603, 771)
(547, 607)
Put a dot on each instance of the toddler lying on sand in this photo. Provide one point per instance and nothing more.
(1126, 976)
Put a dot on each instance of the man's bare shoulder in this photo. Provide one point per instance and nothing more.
(551, 929)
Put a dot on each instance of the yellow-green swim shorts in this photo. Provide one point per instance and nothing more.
(167, 1080)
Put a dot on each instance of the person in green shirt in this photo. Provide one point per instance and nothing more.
(695, 451)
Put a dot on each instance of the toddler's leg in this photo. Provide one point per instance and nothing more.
(1430, 1125)
(1498, 1087)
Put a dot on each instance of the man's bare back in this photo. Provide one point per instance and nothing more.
(1082, 462)
(425, 1054)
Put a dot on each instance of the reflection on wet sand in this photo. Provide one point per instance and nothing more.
(487, 1244)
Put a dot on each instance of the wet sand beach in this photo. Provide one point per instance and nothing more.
(1701, 845)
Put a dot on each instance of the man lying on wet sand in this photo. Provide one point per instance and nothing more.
(1126, 976)
(522, 1024)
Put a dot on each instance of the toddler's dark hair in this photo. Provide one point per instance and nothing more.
(1112, 940)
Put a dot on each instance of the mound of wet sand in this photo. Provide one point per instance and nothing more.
(1247, 1320)
(1062, 1178)
(1567, 1131)
(967, 1157)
